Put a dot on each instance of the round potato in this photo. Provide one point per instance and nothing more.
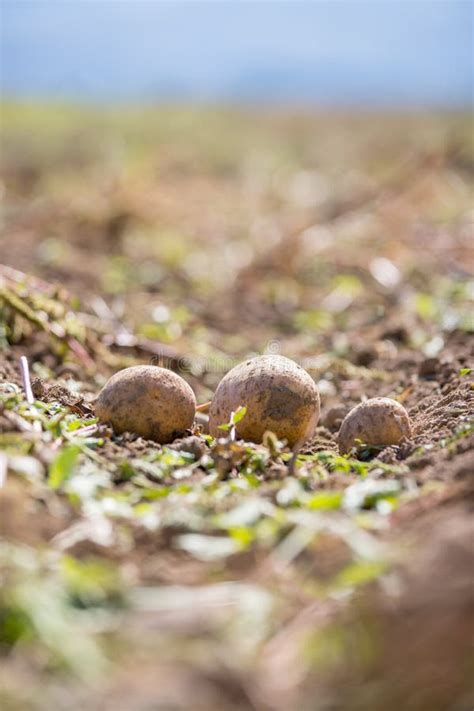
(152, 402)
(279, 396)
(378, 421)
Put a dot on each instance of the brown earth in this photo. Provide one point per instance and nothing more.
(352, 255)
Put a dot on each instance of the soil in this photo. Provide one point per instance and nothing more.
(175, 261)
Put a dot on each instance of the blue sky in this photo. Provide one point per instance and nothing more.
(382, 52)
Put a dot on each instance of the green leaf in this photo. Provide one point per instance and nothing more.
(325, 500)
(360, 573)
(239, 415)
(313, 320)
(465, 371)
(236, 416)
(425, 306)
(92, 582)
(366, 493)
(243, 535)
(63, 465)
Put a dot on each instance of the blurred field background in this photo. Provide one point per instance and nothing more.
(195, 233)
(220, 227)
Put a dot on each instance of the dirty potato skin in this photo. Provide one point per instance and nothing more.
(150, 401)
(279, 395)
(377, 421)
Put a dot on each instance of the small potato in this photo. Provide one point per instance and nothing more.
(377, 421)
(279, 396)
(152, 402)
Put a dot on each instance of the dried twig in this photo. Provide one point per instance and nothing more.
(86, 431)
(232, 430)
(19, 277)
(3, 469)
(25, 374)
(18, 422)
(155, 348)
(18, 304)
(52, 328)
(292, 463)
(79, 350)
(204, 407)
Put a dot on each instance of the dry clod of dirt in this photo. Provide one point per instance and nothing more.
(192, 445)
(378, 421)
(279, 395)
(149, 401)
(428, 367)
(334, 417)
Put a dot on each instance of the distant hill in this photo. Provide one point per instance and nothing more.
(410, 52)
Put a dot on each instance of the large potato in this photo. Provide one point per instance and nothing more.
(279, 396)
(150, 401)
(378, 421)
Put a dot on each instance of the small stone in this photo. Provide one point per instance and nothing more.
(38, 388)
(192, 445)
(332, 420)
(428, 367)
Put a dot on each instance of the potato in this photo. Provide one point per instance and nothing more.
(152, 402)
(279, 396)
(375, 422)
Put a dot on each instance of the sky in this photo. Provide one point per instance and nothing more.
(343, 52)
